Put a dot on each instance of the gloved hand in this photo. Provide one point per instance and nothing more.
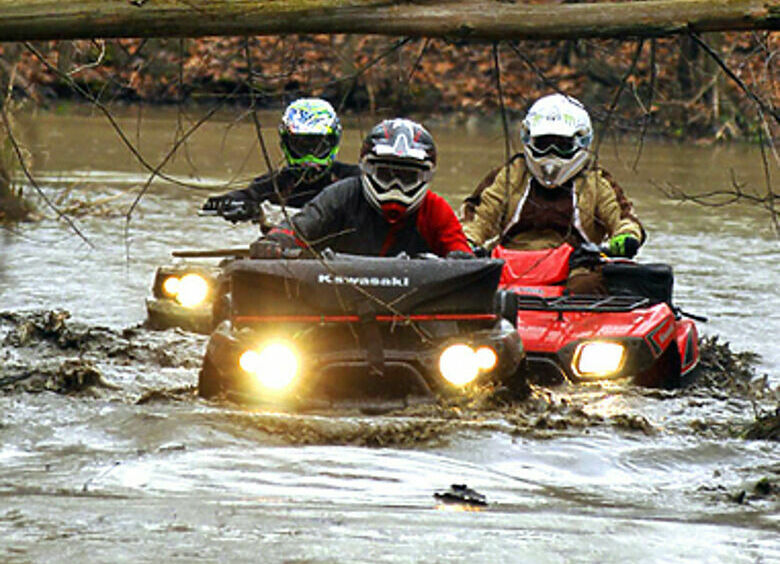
(623, 246)
(276, 245)
(266, 249)
(479, 251)
(460, 255)
(232, 209)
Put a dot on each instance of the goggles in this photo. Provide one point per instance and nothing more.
(561, 146)
(318, 146)
(388, 175)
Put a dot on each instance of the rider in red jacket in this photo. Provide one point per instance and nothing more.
(386, 211)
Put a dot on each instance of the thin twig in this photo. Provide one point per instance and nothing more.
(770, 203)
(649, 109)
(530, 64)
(752, 95)
(504, 123)
(31, 179)
(502, 105)
(98, 104)
(616, 99)
(102, 43)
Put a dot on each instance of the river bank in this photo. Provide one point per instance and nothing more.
(675, 89)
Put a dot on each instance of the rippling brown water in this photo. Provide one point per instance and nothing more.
(132, 467)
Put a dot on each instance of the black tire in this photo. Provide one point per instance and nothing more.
(518, 382)
(665, 371)
(209, 380)
(220, 309)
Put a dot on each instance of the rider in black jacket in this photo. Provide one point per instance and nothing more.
(386, 211)
(309, 134)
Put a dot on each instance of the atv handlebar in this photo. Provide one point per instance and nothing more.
(231, 209)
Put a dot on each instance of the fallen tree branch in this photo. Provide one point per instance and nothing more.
(485, 20)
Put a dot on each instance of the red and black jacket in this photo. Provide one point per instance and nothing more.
(341, 219)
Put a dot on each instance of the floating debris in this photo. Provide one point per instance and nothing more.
(766, 427)
(765, 489)
(461, 494)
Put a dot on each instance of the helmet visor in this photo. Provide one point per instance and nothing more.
(562, 146)
(389, 175)
(318, 146)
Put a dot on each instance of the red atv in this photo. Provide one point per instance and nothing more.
(634, 332)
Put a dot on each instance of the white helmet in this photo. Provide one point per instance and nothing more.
(556, 135)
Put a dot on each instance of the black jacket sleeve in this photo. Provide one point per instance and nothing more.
(262, 188)
(326, 215)
(291, 187)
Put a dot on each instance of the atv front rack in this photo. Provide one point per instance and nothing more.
(581, 302)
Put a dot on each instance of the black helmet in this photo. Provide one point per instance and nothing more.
(397, 161)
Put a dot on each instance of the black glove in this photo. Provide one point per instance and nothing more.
(460, 255)
(479, 251)
(232, 209)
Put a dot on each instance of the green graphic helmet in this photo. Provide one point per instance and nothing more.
(310, 133)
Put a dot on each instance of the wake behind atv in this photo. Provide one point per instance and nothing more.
(353, 330)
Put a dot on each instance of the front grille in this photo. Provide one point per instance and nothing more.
(354, 380)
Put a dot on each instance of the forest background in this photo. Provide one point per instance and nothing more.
(673, 88)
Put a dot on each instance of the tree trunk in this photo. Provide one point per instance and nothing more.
(27, 20)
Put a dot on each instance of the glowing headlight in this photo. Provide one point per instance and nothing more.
(171, 286)
(192, 289)
(458, 364)
(598, 358)
(486, 358)
(275, 366)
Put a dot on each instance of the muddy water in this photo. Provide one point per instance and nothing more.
(106, 454)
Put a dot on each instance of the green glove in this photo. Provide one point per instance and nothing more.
(623, 245)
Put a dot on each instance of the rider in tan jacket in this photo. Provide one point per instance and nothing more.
(554, 195)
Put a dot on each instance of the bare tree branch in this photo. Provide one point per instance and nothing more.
(28, 174)
(616, 99)
(752, 95)
(98, 104)
(649, 107)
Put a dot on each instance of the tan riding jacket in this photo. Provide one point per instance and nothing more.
(601, 210)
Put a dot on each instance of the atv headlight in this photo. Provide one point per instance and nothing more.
(191, 290)
(459, 364)
(275, 365)
(170, 286)
(486, 358)
(598, 358)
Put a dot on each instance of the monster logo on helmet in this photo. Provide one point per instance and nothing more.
(310, 133)
(397, 161)
(556, 136)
